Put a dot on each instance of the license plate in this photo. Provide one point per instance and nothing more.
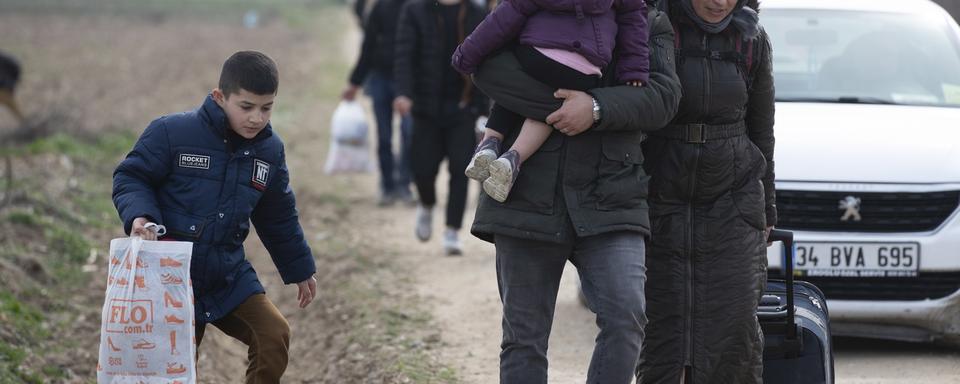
(857, 259)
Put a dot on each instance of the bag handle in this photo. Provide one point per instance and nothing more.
(787, 238)
(133, 253)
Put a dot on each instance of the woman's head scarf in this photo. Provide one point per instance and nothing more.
(743, 18)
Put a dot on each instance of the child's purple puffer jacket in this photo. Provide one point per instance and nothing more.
(591, 28)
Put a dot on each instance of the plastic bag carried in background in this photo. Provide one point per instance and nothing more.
(349, 151)
(147, 327)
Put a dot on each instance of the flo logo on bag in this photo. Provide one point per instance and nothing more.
(261, 170)
(130, 316)
(188, 160)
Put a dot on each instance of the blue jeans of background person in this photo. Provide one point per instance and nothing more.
(394, 175)
(612, 271)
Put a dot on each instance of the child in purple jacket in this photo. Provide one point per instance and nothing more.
(562, 43)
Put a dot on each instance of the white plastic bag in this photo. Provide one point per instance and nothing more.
(349, 124)
(349, 152)
(147, 327)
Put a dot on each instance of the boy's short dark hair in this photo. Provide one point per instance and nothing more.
(251, 71)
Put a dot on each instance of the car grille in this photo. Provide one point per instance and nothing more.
(933, 285)
(880, 212)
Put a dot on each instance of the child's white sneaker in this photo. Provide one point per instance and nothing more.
(479, 167)
(503, 173)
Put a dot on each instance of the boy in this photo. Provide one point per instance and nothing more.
(205, 175)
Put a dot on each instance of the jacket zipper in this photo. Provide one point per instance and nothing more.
(688, 323)
(706, 77)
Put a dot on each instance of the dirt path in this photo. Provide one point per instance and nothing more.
(466, 304)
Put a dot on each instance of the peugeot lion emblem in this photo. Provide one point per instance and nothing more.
(851, 209)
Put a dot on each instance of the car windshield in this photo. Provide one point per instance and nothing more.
(864, 57)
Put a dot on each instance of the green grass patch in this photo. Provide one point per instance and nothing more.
(24, 218)
(107, 145)
(70, 246)
(11, 358)
(25, 320)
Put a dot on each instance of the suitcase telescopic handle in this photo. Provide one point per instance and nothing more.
(787, 238)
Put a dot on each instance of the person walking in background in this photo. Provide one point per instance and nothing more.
(9, 77)
(582, 199)
(205, 175)
(444, 104)
(711, 201)
(375, 67)
(561, 44)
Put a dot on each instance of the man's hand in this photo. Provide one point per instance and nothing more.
(307, 290)
(767, 232)
(350, 93)
(402, 105)
(139, 229)
(575, 115)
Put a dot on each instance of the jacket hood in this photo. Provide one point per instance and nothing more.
(747, 19)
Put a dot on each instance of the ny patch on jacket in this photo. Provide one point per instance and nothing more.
(261, 171)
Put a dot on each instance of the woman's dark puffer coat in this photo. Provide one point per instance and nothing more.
(709, 205)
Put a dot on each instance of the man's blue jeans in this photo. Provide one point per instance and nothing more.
(612, 271)
(394, 175)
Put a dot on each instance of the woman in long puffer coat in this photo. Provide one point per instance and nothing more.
(711, 201)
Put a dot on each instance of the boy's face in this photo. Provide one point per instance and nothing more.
(247, 113)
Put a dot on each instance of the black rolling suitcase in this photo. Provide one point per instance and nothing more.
(796, 327)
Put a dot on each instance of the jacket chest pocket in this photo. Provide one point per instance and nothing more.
(621, 182)
(536, 185)
(184, 226)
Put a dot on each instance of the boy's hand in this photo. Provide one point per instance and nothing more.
(139, 229)
(307, 290)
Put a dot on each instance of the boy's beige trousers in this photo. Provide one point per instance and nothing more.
(258, 324)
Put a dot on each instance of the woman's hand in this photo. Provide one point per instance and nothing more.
(575, 116)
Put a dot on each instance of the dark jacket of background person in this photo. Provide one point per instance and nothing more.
(421, 61)
(182, 173)
(591, 28)
(706, 261)
(594, 180)
(379, 35)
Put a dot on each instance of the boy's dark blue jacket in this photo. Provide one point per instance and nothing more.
(183, 174)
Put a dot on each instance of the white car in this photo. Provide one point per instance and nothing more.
(868, 160)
